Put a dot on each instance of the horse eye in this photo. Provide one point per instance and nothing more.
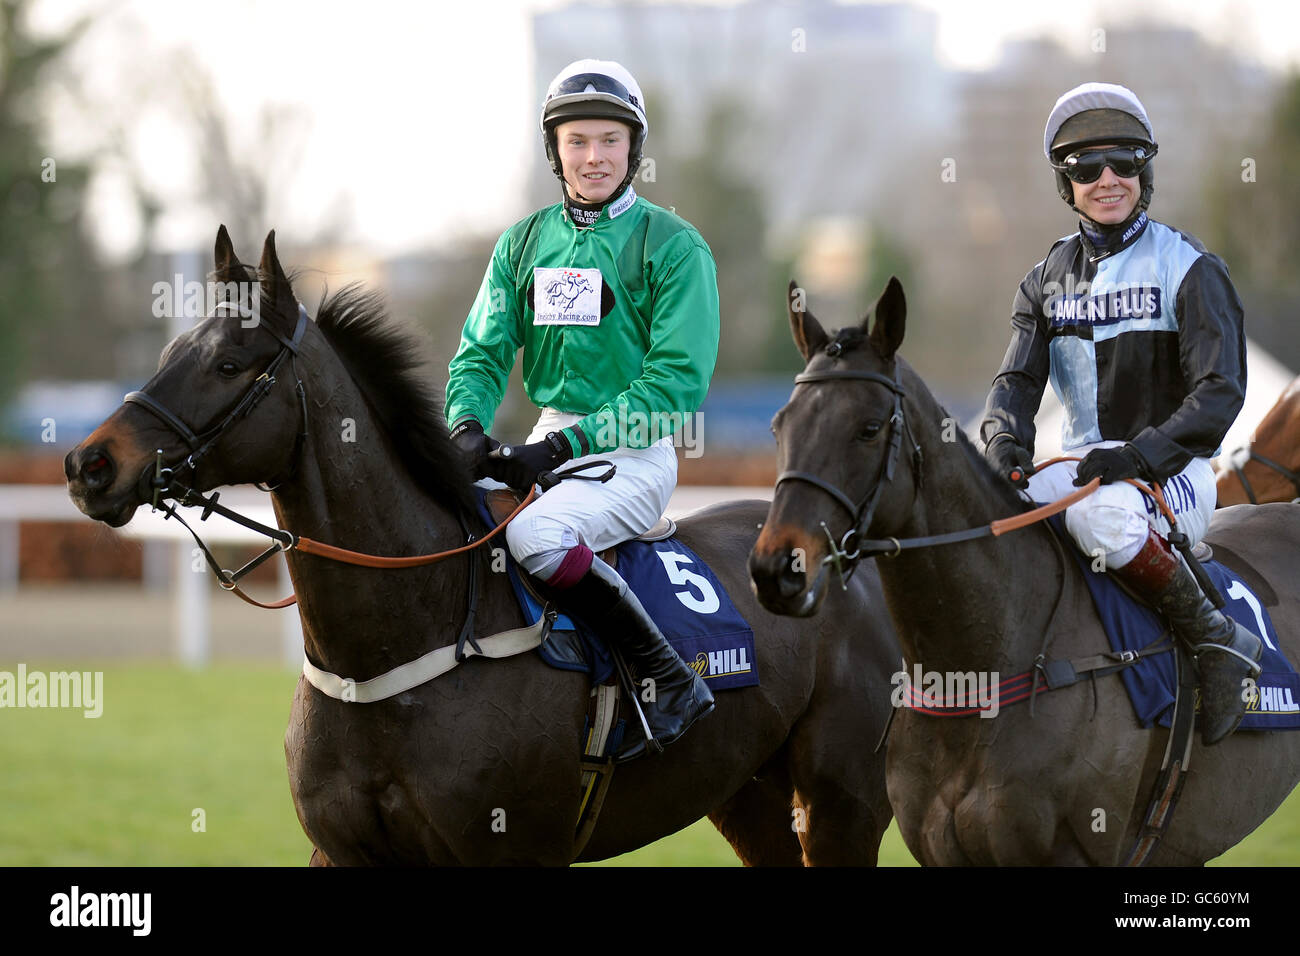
(869, 431)
(227, 369)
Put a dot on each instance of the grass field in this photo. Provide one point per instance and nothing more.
(123, 789)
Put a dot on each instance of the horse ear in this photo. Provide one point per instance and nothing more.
(807, 331)
(891, 319)
(229, 268)
(275, 284)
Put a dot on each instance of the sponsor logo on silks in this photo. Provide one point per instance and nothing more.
(723, 663)
(1272, 700)
(566, 296)
(566, 289)
(1105, 308)
(623, 204)
(1134, 229)
(1180, 495)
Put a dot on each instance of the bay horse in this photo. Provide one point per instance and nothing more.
(480, 766)
(1069, 781)
(1269, 468)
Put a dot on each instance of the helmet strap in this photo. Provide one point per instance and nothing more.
(1106, 238)
(582, 211)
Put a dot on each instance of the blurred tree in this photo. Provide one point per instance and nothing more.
(704, 187)
(1253, 211)
(46, 260)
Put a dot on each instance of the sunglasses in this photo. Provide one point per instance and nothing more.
(1086, 166)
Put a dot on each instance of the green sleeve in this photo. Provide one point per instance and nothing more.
(678, 366)
(489, 342)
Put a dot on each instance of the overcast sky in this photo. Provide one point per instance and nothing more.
(422, 114)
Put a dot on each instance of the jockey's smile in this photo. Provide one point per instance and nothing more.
(593, 154)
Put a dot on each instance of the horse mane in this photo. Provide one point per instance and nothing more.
(389, 365)
(993, 483)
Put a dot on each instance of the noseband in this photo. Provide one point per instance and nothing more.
(202, 443)
(846, 548)
(1239, 461)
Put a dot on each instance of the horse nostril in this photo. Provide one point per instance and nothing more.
(791, 582)
(775, 574)
(97, 470)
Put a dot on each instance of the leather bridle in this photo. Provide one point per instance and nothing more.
(851, 546)
(163, 482)
(1239, 461)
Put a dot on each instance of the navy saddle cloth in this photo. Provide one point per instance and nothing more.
(1151, 683)
(682, 596)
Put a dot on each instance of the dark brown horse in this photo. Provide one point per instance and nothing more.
(1067, 784)
(1269, 468)
(481, 765)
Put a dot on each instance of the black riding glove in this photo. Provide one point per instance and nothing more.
(474, 445)
(1010, 460)
(519, 465)
(1111, 465)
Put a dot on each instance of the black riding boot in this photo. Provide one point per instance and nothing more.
(603, 600)
(1226, 653)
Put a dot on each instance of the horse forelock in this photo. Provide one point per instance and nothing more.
(389, 366)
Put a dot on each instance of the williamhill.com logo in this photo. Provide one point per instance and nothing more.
(723, 663)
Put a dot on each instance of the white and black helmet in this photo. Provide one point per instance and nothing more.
(1092, 114)
(594, 89)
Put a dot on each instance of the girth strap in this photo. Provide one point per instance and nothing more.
(423, 669)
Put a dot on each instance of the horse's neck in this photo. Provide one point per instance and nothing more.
(976, 605)
(351, 490)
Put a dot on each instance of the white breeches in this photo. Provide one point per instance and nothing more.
(596, 514)
(1115, 519)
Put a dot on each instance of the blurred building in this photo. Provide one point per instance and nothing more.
(835, 96)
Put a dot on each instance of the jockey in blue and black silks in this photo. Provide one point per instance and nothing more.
(1139, 330)
(614, 303)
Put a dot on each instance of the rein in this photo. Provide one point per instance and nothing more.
(862, 512)
(288, 541)
(1239, 462)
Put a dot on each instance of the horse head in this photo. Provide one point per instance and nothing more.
(215, 390)
(1269, 468)
(839, 440)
